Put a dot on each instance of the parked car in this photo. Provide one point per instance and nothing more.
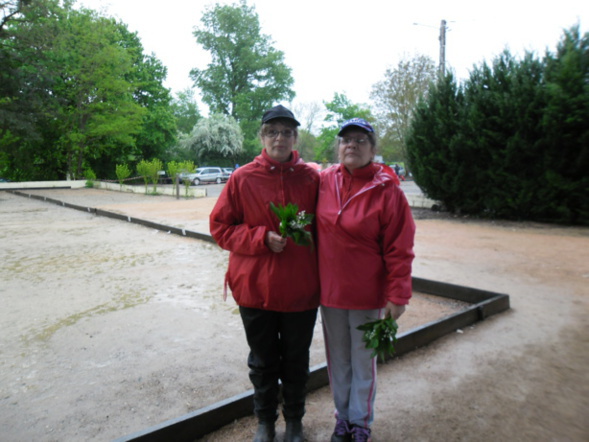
(227, 171)
(208, 175)
(185, 176)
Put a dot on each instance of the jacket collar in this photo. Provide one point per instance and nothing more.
(273, 165)
(372, 171)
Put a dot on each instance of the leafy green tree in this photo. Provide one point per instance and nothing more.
(185, 168)
(97, 107)
(26, 98)
(565, 147)
(123, 172)
(155, 168)
(144, 170)
(90, 176)
(178, 169)
(76, 91)
(485, 142)
(10, 9)
(150, 171)
(511, 142)
(246, 75)
(339, 110)
(173, 168)
(185, 110)
(435, 141)
(214, 138)
(158, 129)
(395, 98)
(505, 106)
(25, 11)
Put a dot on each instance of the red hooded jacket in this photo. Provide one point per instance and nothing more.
(366, 234)
(286, 281)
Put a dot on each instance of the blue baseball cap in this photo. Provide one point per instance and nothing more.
(358, 122)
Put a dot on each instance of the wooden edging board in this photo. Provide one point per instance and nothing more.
(121, 217)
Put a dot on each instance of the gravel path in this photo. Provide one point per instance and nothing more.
(109, 328)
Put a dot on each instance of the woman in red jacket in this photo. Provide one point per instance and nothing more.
(273, 280)
(365, 236)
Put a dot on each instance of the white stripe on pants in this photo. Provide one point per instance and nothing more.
(352, 372)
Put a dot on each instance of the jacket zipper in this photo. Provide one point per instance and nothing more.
(343, 205)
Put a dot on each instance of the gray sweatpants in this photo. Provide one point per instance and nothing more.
(352, 372)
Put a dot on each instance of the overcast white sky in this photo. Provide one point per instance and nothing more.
(346, 46)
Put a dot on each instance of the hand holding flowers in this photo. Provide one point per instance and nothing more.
(380, 335)
(293, 223)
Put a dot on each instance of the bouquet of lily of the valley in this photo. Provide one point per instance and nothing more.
(381, 336)
(293, 223)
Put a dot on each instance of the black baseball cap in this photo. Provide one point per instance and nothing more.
(279, 112)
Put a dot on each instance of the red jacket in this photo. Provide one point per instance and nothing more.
(286, 281)
(366, 233)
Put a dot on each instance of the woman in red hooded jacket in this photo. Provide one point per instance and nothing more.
(273, 280)
(365, 235)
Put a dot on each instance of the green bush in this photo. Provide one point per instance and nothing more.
(512, 141)
(150, 171)
(90, 177)
(186, 167)
(155, 167)
(123, 172)
(143, 169)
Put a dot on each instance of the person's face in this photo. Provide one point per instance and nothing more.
(278, 140)
(355, 150)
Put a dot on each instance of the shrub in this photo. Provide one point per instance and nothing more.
(123, 172)
(512, 141)
(90, 177)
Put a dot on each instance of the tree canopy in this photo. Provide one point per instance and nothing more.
(396, 97)
(159, 124)
(185, 110)
(339, 110)
(215, 138)
(97, 110)
(76, 92)
(246, 75)
(512, 141)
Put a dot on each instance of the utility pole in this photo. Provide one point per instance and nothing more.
(442, 38)
(442, 48)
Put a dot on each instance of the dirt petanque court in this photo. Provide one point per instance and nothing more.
(110, 327)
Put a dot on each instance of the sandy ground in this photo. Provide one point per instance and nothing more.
(109, 328)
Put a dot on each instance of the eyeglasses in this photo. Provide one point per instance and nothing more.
(350, 140)
(286, 133)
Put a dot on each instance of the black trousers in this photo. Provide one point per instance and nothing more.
(279, 350)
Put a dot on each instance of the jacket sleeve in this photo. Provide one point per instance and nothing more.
(397, 247)
(228, 228)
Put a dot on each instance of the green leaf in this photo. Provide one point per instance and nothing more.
(380, 335)
(292, 223)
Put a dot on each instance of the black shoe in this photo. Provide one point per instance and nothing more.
(294, 431)
(342, 431)
(265, 432)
